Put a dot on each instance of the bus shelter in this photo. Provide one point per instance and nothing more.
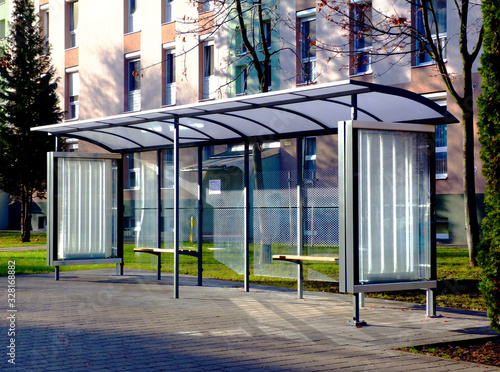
(367, 214)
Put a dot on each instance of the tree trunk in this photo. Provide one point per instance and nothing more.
(265, 241)
(471, 223)
(26, 203)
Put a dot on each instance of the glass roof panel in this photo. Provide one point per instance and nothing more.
(238, 121)
(282, 121)
(140, 136)
(327, 112)
(402, 108)
(110, 141)
(214, 130)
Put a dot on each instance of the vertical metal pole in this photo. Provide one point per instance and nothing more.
(200, 215)
(159, 167)
(430, 309)
(300, 218)
(246, 208)
(431, 293)
(354, 107)
(355, 310)
(57, 273)
(356, 296)
(120, 208)
(176, 208)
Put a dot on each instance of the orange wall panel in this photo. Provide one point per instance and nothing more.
(71, 58)
(132, 42)
(206, 23)
(168, 33)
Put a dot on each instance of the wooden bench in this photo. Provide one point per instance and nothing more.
(299, 258)
(159, 251)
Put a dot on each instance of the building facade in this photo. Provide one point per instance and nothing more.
(121, 56)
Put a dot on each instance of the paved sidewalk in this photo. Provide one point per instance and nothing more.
(95, 321)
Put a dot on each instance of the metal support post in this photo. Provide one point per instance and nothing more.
(246, 209)
(57, 273)
(200, 215)
(176, 208)
(300, 218)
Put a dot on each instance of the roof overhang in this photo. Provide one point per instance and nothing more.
(311, 110)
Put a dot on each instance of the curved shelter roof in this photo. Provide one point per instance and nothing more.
(311, 110)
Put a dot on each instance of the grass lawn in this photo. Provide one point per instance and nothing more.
(13, 239)
(457, 283)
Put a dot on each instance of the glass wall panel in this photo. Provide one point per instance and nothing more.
(188, 202)
(223, 207)
(86, 208)
(394, 206)
(140, 206)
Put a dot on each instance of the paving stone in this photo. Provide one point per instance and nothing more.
(94, 320)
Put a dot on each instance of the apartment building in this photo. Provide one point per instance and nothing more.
(121, 56)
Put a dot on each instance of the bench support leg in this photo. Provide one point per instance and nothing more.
(355, 312)
(158, 266)
(57, 273)
(430, 311)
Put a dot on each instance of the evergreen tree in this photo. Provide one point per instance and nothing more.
(28, 99)
(489, 130)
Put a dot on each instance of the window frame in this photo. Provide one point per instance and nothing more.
(308, 72)
(208, 69)
(168, 11)
(132, 85)
(73, 19)
(169, 69)
(73, 81)
(421, 57)
(310, 164)
(358, 23)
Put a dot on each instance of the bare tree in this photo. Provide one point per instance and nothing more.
(391, 32)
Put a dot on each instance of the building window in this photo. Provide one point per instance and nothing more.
(73, 95)
(73, 24)
(362, 38)
(132, 172)
(241, 49)
(441, 139)
(310, 158)
(44, 23)
(169, 77)
(167, 181)
(169, 14)
(208, 70)
(207, 5)
(241, 80)
(308, 49)
(436, 15)
(133, 16)
(134, 84)
(267, 34)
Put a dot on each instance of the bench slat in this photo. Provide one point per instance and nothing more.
(166, 250)
(289, 257)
